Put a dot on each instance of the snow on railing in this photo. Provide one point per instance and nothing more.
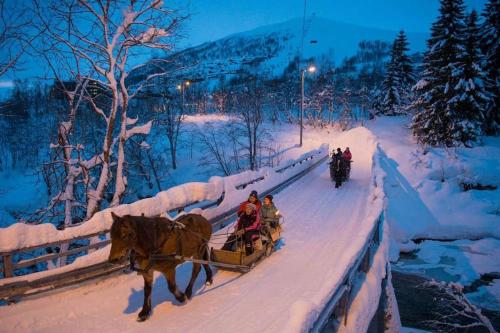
(223, 195)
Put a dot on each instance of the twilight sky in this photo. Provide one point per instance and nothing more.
(213, 19)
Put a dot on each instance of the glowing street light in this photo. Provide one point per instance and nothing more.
(311, 69)
(182, 87)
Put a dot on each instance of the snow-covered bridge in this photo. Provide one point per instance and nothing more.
(327, 233)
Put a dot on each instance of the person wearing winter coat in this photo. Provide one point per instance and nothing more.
(253, 198)
(337, 167)
(332, 169)
(269, 212)
(248, 227)
(347, 156)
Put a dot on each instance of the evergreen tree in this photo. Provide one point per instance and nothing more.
(435, 122)
(404, 63)
(490, 48)
(391, 102)
(399, 78)
(471, 99)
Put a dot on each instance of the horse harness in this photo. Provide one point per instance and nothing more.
(175, 226)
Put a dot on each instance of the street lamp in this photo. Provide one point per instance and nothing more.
(310, 69)
(182, 87)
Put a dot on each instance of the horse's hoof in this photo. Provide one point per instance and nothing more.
(208, 283)
(189, 295)
(182, 299)
(140, 318)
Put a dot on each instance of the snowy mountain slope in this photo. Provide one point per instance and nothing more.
(272, 47)
(324, 36)
(324, 231)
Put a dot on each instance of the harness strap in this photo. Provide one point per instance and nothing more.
(151, 256)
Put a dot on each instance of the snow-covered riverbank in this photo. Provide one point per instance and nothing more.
(443, 209)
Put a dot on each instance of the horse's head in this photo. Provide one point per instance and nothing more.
(123, 238)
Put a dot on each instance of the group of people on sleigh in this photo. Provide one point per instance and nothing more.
(340, 166)
(253, 218)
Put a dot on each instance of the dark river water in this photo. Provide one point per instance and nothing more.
(418, 305)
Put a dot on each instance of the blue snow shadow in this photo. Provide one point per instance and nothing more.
(404, 204)
(160, 292)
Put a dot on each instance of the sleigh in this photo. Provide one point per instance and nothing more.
(238, 260)
(346, 175)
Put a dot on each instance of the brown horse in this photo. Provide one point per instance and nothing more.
(148, 236)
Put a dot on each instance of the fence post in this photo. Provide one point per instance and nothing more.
(8, 268)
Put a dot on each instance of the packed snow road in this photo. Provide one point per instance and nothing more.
(324, 230)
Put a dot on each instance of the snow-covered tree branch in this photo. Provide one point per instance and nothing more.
(457, 312)
(105, 41)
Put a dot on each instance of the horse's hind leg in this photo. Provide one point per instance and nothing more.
(148, 286)
(194, 275)
(206, 267)
(172, 286)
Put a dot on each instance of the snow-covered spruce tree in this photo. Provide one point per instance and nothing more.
(490, 47)
(435, 122)
(390, 103)
(398, 80)
(470, 99)
(404, 66)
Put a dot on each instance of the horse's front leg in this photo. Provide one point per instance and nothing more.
(148, 287)
(172, 286)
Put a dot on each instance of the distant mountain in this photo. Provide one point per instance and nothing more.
(272, 47)
(324, 36)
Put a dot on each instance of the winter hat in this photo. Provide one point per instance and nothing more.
(251, 205)
(253, 194)
(270, 197)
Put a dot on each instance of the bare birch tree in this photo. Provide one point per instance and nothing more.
(170, 119)
(106, 37)
(249, 109)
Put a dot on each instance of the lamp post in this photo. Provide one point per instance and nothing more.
(310, 69)
(182, 87)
